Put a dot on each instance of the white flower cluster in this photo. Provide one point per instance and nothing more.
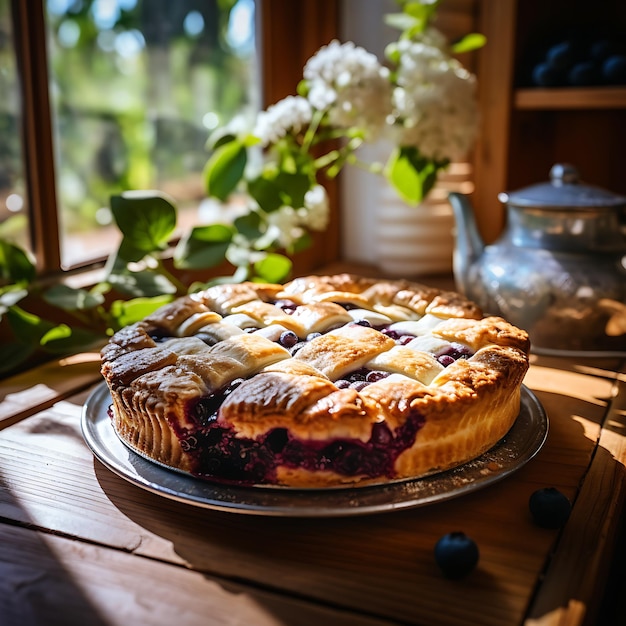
(287, 224)
(434, 102)
(289, 115)
(316, 211)
(351, 84)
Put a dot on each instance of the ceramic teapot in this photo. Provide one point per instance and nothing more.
(559, 268)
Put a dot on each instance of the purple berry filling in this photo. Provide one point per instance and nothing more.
(400, 338)
(288, 306)
(452, 353)
(159, 335)
(222, 456)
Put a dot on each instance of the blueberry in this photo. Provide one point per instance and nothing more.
(296, 347)
(602, 49)
(456, 554)
(560, 56)
(277, 439)
(582, 74)
(359, 385)
(392, 334)
(614, 69)
(288, 339)
(288, 306)
(376, 375)
(545, 76)
(549, 507)
(445, 360)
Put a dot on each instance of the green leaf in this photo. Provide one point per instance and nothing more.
(15, 266)
(266, 193)
(300, 244)
(27, 327)
(220, 138)
(9, 297)
(419, 9)
(147, 219)
(403, 173)
(470, 42)
(203, 246)
(70, 299)
(13, 353)
(411, 174)
(429, 178)
(128, 252)
(400, 21)
(125, 312)
(225, 169)
(63, 339)
(141, 284)
(249, 225)
(302, 88)
(293, 186)
(414, 19)
(273, 268)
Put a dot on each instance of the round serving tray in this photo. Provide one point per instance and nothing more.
(521, 443)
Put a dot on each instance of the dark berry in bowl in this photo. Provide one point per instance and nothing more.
(549, 507)
(584, 73)
(456, 554)
(545, 76)
(561, 56)
(602, 49)
(614, 69)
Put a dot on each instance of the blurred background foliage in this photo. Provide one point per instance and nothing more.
(136, 88)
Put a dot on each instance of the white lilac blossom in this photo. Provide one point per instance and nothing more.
(290, 115)
(316, 211)
(423, 106)
(434, 102)
(284, 226)
(351, 85)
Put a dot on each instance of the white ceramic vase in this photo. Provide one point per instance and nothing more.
(418, 240)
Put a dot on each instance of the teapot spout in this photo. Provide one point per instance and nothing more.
(469, 244)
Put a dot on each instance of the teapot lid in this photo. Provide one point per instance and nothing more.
(563, 190)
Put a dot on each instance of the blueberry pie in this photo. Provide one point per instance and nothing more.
(324, 381)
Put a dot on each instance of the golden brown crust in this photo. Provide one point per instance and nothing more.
(220, 347)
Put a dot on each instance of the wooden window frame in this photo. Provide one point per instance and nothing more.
(291, 31)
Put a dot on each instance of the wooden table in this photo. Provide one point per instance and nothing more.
(82, 546)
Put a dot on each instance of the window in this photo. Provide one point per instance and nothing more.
(135, 93)
(122, 94)
(13, 212)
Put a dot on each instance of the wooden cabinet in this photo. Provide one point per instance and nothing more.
(525, 129)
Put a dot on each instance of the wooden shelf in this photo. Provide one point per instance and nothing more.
(570, 98)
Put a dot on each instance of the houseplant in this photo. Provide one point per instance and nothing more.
(270, 178)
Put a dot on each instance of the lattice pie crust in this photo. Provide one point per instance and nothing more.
(324, 381)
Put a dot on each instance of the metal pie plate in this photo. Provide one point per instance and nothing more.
(522, 442)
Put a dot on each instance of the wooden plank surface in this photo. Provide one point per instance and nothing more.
(31, 391)
(379, 565)
(582, 560)
(49, 580)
